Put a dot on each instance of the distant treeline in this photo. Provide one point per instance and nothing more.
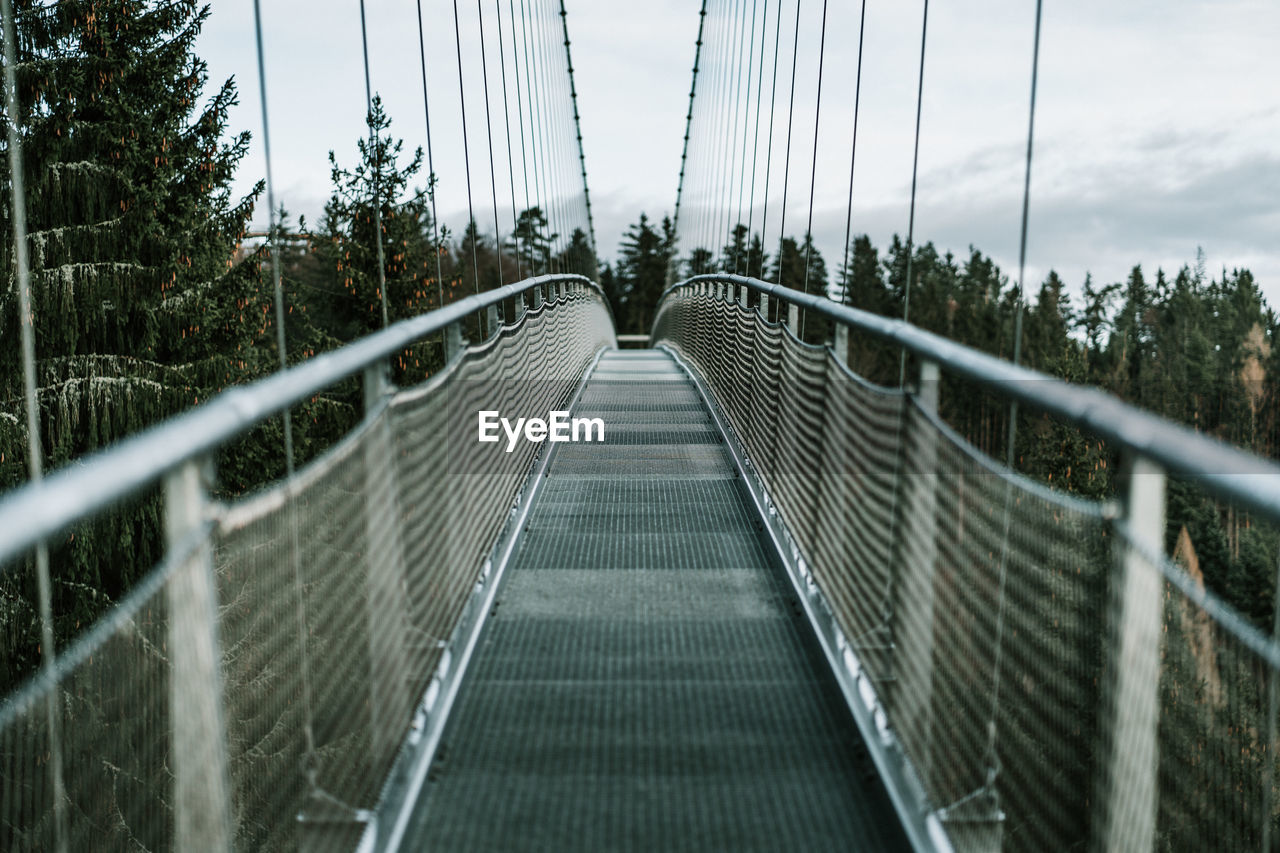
(1195, 348)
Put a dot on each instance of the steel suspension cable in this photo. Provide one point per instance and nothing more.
(742, 174)
(768, 157)
(707, 167)
(719, 111)
(853, 159)
(488, 124)
(993, 764)
(273, 229)
(552, 105)
(813, 173)
(506, 121)
(755, 134)
(311, 761)
(374, 141)
(731, 161)
(733, 95)
(524, 161)
(911, 221)
(555, 207)
(577, 128)
(786, 172)
(555, 159)
(35, 455)
(688, 127)
(466, 153)
(431, 166)
(535, 133)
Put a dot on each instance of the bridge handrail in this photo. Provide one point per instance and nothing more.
(37, 512)
(1230, 473)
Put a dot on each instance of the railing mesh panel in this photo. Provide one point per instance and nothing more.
(985, 611)
(337, 595)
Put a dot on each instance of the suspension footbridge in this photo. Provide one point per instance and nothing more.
(777, 607)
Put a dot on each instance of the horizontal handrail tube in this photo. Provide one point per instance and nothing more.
(37, 512)
(1228, 472)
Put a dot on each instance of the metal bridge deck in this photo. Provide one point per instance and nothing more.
(645, 682)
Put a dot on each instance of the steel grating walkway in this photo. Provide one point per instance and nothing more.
(645, 681)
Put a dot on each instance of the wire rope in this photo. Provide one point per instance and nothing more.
(768, 158)
(755, 135)
(577, 127)
(786, 172)
(993, 763)
(431, 165)
(731, 164)
(35, 455)
(911, 221)
(488, 124)
(813, 172)
(466, 154)
(853, 159)
(688, 128)
(375, 142)
(742, 175)
(506, 121)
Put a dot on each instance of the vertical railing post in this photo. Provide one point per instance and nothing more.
(764, 307)
(793, 317)
(913, 596)
(1134, 708)
(201, 782)
(536, 293)
(386, 620)
(840, 344)
(452, 341)
(491, 320)
(742, 295)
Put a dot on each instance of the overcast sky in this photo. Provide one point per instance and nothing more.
(1156, 132)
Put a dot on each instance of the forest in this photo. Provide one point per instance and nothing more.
(149, 297)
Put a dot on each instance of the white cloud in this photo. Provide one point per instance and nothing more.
(1154, 129)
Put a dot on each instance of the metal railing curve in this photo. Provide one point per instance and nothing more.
(1030, 670)
(281, 679)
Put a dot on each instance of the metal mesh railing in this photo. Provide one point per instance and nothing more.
(1046, 683)
(338, 599)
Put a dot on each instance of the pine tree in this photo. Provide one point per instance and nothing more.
(351, 306)
(139, 307)
(642, 269)
(700, 262)
(347, 304)
(733, 258)
(578, 257)
(531, 241)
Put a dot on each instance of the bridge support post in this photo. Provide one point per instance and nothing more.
(912, 602)
(793, 317)
(452, 341)
(386, 622)
(764, 306)
(536, 293)
(742, 295)
(840, 344)
(1133, 712)
(201, 782)
(491, 321)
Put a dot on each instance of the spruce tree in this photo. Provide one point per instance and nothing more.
(348, 305)
(642, 268)
(578, 257)
(140, 309)
(531, 242)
